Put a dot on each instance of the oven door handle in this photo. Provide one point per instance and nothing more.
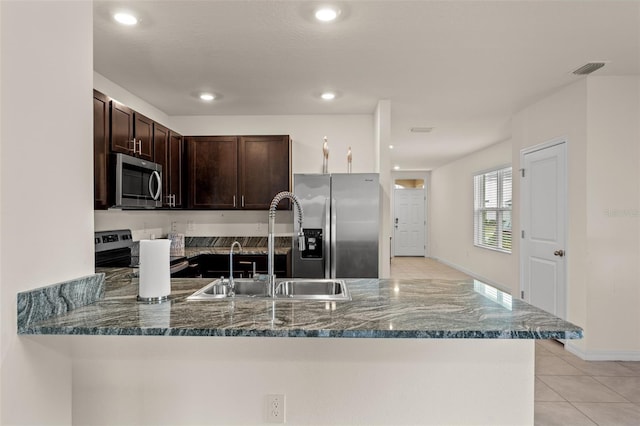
(155, 196)
(179, 267)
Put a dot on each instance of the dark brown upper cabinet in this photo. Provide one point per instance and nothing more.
(122, 129)
(167, 147)
(212, 164)
(264, 163)
(101, 138)
(237, 172)
(143, 135)
(175, 168)
(131, 132)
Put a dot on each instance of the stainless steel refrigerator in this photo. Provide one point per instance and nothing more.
(341, 225)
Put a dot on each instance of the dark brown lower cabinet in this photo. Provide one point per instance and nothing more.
(217, 265)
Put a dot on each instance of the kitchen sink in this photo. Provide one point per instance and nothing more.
(289, 289)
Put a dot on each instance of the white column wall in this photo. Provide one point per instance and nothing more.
(451, 227)
(383, 167)
(46, 184)
(613, 217)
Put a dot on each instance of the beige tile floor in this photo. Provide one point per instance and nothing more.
(569, 391)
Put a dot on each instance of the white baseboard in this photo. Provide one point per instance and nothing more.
(492, 283)
(603, 355)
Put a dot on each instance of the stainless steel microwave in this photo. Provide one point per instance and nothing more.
(138, 183)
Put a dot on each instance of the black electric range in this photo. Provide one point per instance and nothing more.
(113, 249)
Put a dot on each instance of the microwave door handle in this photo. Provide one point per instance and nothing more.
(155, 196)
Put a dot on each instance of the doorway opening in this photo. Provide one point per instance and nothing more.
(409, 223)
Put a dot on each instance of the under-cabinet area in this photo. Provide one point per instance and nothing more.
(198, 172)
(244, 266)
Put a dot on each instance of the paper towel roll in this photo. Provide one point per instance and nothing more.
(155, 274)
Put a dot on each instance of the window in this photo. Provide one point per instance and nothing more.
(492, 210)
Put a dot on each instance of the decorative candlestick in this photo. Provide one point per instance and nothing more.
(325, 156)
(349, 160)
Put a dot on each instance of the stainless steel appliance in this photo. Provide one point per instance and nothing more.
(114, 249)
(341, 225)
(138, 183)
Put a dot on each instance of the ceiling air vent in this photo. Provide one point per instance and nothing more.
(421, 129)
(589, 68)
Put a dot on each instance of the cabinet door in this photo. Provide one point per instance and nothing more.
(143, 133)
(174, 166)
(161, 156)
(100, 150)
(213, 170)
(121, 128)
(264, 170)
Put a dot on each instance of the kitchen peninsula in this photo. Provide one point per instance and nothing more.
(400, 352)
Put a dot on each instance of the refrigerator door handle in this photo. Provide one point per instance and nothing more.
(325, 241)
(333, 238)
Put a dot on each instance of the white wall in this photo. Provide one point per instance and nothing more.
(613, 215)
(130, 380)
(122, 95)
(599, 118)
(46, 186)
(382, 140)
(306, 131)
(451, 209)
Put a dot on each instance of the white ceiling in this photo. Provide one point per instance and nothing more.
(462, 68)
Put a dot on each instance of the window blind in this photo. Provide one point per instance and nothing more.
(492, 209)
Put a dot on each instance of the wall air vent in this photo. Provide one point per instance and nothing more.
(421, 129)
(589, 68)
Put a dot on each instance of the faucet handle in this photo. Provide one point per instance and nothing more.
(301, 241)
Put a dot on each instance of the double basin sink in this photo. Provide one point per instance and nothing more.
(287, 289)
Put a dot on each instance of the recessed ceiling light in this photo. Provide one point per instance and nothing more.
(326, 14)
(396, 167)
(328, 96)
(207, 97)
(125, 18)
(390, 146)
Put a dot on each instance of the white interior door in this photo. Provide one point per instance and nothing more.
(409, 222)
(543, 218)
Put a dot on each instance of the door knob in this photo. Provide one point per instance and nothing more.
(558, 253)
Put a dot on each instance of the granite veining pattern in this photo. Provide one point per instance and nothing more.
(46, 302)
(225, 242)
(379, 309)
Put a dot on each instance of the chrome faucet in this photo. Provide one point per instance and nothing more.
(231, 283)
(271, 283)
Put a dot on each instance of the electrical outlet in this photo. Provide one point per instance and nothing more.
(191, 226)
(275, 408)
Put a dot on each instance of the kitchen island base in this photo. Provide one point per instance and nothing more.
(224, 380)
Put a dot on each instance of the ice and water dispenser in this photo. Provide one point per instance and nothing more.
(313, 238)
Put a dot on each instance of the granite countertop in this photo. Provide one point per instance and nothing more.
(379, 309)
(191, 252)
